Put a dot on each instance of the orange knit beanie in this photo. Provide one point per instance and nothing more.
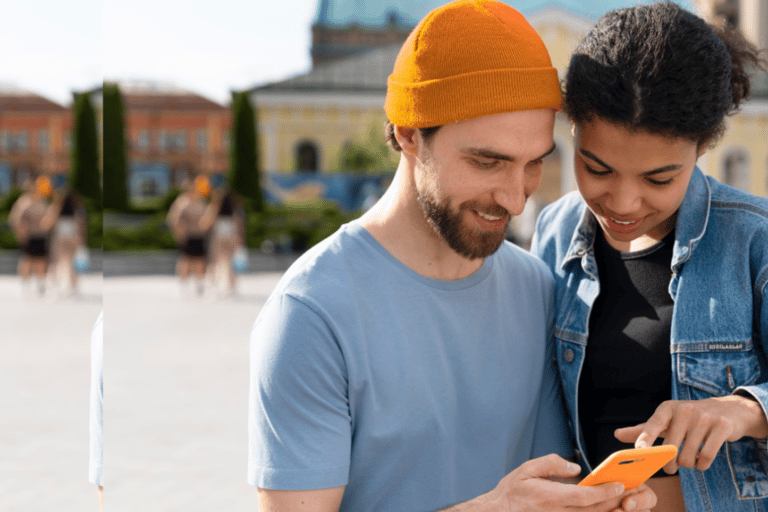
(467, 59)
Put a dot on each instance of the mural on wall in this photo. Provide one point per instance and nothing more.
(350, 192)
(149, 180)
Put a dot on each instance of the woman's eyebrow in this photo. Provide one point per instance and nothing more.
(658, 170)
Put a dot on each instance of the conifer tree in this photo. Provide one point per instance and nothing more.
(84, 175)
(244, 162)
(115, 176)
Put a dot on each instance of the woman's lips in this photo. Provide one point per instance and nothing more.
(624, 226)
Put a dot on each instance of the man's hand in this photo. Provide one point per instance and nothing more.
(529, 489)
(703, 425)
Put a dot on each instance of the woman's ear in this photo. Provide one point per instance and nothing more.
(406, 137)
(703, 147)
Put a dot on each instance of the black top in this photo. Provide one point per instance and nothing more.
(627, 369)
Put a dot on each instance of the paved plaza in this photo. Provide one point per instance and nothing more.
(176, 391)
(44, 391)
(176, 395)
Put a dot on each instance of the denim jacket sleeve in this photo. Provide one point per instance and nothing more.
(760, 391)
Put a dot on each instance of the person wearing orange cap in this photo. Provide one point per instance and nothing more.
(406, 362)
(190, 219)
(32, 218)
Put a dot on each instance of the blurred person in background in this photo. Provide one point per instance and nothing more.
(228, 243)
(191, 218)
(68, 242)
(32, 218)
(96, 411)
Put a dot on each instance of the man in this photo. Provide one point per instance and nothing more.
(32, 218)
(190, 219)
(405, 363)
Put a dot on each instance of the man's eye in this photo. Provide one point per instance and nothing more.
(485, 164)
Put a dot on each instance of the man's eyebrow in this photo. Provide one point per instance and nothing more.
(495, 155)
(659, 170)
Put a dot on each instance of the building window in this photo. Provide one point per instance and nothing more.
(306, 157)
(163, 140)
(148, 187)
(736, 169)
(22, 141)
(5, 140)
(202, 139)
(226, 140)
(142, 141)
(68, 140)
(181, 140)
(42, 141)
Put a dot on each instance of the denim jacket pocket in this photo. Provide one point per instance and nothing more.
(716, 373)
(711, 374)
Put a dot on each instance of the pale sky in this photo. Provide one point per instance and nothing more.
(207, 46)
(51, 47)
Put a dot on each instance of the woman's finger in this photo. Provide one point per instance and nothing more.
(717, 437)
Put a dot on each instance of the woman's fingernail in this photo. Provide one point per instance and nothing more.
(630, 505)
(641, 444)
(619, 489)
(573, 467)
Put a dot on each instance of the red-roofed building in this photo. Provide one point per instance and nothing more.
(172, 136)
(35, 137)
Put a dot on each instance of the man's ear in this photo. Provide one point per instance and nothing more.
(406, 137)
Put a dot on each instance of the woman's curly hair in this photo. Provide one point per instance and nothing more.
(660, 69)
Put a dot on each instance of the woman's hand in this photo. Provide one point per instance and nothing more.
(703, 425)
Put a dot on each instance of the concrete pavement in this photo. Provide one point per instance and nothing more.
(176, 391)
(44, 390)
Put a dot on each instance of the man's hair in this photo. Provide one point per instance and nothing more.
(660, 69)
(389, 135)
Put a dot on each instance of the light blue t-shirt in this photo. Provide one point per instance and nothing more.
(414, 393)
(96, 416)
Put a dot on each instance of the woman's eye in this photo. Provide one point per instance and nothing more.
(595, 172)
(660, 182)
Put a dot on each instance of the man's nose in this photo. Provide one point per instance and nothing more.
(512, 194)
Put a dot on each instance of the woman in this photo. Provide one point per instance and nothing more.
(227, 238)
(69, 237)
(662, 273)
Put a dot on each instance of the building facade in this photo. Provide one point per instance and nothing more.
(172, 135)
(35, 138)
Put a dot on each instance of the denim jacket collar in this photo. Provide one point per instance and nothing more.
(692, 219)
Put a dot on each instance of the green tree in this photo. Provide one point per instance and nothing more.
(369, 156)
(84, 176)
(244, 161)
(115, 176)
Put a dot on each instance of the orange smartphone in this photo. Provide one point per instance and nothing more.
(631, 467)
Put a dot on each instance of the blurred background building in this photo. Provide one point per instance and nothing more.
(35, 138)
(172, 135)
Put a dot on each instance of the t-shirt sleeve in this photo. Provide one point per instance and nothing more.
(551, 434)
(96, 413)
(299, 425)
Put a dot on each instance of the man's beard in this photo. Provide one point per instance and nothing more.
(467, 242)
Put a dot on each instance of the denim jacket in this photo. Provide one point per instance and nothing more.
(719, 334)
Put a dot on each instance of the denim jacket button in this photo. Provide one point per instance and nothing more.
(568, 355)
(750, 479)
